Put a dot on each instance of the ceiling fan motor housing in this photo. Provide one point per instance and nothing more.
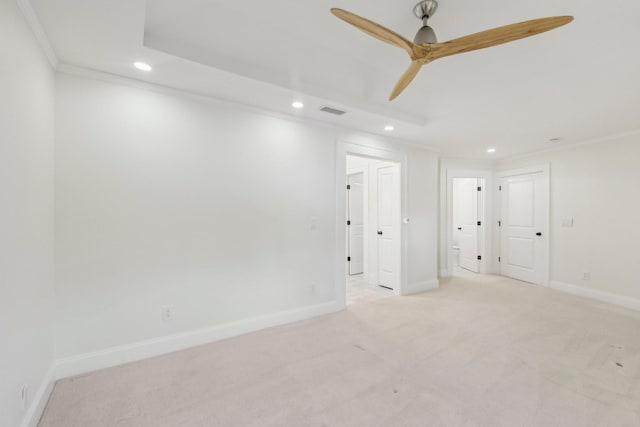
(425, 35)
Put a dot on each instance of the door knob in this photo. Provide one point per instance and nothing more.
(460, 228)
(538, 234)
(379, 233)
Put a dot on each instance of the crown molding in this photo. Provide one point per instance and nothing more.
(36, 26)
(591, 141)
(78, 71)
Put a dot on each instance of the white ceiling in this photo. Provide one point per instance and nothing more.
(579, 82)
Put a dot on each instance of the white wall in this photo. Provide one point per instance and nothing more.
(26, 215)
(597, 186)
(209, 208)
(422, 210)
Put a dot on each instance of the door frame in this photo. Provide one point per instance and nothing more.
(484, 214)
(344, 148)
(545, 169)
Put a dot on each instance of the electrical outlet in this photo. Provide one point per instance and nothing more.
(586, 276)
(24, 396)
(167, 313)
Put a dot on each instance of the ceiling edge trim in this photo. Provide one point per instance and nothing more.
(162, 46)
(78, 71)
(38, 30)
(574, 145)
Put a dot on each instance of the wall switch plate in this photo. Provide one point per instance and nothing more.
(167, 313)
(586, 276)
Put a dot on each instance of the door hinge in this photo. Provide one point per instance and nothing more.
(479, 223)
(479, 188)
(500, 188)
(479, 258)
(348, 187)
(348, 259)
(499, 223)
(499, 259)
(348, 222)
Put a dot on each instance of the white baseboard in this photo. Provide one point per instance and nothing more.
(627, 302)
(39, 400)
(416, 288)
(114, 356)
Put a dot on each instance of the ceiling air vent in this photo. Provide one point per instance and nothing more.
(332, 110)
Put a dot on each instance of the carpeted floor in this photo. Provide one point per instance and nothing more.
(481, 351)
(359, 291)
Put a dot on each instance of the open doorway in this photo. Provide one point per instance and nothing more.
(467, 224)
(373, 229)
(468, 207)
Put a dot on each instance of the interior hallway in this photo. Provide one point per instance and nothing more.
(480, 351)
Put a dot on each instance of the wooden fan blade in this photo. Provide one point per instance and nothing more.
(376, 30)
(497, 36)
(406, 79)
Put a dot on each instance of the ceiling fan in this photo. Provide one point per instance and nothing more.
(425, 47)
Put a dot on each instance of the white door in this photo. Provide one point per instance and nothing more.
(355, 223)
(389, 226)
(523, 229)
(467, 227)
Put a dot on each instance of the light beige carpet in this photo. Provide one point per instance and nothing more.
(359, 291)
(481, 351)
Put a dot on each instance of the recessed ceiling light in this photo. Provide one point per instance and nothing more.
(491, 150)
(389, 128)
(297, 104)
(142, 66)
